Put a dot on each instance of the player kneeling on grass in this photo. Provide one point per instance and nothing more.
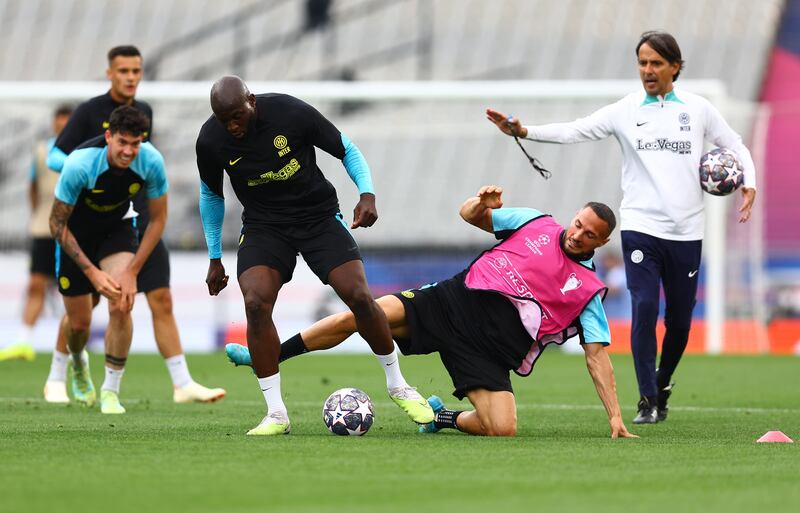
(98, 248)
(534, 288)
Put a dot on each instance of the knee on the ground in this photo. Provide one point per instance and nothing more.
(499, 427)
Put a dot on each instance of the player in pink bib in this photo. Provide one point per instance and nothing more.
(534, 288)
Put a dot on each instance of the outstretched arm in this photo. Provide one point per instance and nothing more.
(509, 125)
(477, 210)
(599, 365)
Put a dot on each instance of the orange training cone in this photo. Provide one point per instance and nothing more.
(775, 436)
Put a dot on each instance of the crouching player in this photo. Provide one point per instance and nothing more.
(98, 250)
(534, 288)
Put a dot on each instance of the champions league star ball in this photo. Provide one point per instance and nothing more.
(348, 411)
(721, 173)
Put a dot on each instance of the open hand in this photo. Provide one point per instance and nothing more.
(490, 196)
(748, 198)
(509, 125)
(104, 284)
(618, 429)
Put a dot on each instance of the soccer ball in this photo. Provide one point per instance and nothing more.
(721, 173)
(348, 411)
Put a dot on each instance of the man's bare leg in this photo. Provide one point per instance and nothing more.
(168, 340)
(119, 334)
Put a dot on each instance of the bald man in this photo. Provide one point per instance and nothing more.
(266, 144)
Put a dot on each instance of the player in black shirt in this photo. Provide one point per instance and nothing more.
(266, 144)
(89, 120)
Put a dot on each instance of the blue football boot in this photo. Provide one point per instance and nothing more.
(238, 355)
(436, 405)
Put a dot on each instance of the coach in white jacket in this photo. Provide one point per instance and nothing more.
(661, 131)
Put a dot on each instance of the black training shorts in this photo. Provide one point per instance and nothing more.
(155, 271)
(43, 256)
(121, 237)
(478, 334)
(325, 245)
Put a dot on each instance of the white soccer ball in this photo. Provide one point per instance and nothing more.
(348, 411)
(721, 173)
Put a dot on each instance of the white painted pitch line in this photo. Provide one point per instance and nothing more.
(544, 406)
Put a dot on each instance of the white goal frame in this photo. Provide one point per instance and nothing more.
(714, 90)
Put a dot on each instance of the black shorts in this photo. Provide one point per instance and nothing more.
(325, 245)
(71, 280)
(478, 335)
(43, 256)
(155, 272)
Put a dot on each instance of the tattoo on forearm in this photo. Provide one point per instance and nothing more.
(59, 217)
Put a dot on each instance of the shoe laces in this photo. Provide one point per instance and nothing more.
(276, 417)
(405, 393)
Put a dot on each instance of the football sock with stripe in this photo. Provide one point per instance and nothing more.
(446, 419)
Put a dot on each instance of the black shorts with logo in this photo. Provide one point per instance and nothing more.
(478, 334)
(43, 256)
(120, 237)
(325, 245)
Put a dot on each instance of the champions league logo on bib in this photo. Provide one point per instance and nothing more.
(572, 283)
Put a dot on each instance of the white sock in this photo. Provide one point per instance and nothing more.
(113, 379)
(25, 335)
(178, 370)
(391, 366)
(58, 367)
(80, 360)
(271, 387)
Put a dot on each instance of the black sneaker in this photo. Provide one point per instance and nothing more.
(648, 412)
(663, 397)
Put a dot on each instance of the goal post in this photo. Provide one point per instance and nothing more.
(565, 99)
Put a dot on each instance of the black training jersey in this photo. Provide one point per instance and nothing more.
(101, 194)
(89, 120)
(273, 169)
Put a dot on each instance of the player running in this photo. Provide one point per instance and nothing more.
(534, 288)
(91, 119)
(98, 248)
(266, 145)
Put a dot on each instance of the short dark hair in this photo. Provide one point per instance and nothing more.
(605, 213)
(65, 109)
(665, 45)
(128, 120)
(123, 51)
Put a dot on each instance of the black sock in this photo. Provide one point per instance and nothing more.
(446, 419)
(672, 349)
(292, 347)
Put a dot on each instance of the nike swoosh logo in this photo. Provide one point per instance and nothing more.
(640, 124)
(388, 364)
(265, 389)
(691, 274)
(233, 162)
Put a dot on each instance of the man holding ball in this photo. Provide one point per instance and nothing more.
(661, 131)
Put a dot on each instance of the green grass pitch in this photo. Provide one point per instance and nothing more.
(195, 458)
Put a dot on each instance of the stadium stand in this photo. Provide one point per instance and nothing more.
(426, 156)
